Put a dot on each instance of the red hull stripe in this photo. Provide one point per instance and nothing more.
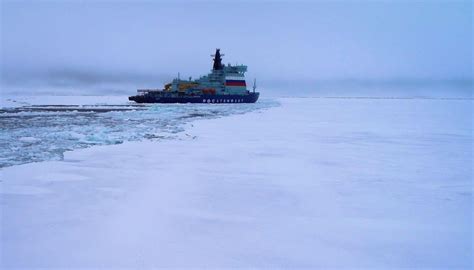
(235, 83)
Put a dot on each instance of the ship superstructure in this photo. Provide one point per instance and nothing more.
(225, 84)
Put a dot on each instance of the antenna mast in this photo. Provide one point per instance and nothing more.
(254, 84)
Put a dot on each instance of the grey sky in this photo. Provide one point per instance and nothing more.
(88, 42)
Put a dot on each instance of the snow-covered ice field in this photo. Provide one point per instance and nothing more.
(314, 182)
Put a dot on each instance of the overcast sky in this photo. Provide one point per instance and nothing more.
(90, 42)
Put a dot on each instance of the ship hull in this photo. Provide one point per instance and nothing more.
(220, 99)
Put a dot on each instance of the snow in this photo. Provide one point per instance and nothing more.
(315, 182)
(28, 139)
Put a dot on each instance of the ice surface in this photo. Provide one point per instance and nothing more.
(315, 182)
(9, 101)
(32, 133)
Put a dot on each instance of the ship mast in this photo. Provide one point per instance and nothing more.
(217, 60)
